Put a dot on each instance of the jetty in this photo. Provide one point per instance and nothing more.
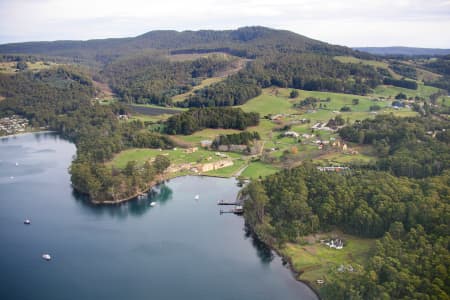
(238, 210)
(223, 202)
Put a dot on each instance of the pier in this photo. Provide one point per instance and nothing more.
(223, 202)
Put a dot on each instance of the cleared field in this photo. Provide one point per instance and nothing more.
(391, 91)
(176, 156)
(258, 169)
(267, 103)
(318, 261)
(341, 158)
(205, 134)
(354, 60)
(10, 67)
(230, 171)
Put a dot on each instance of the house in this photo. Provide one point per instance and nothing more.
(291, 134)
(335, 244)
(206, 143)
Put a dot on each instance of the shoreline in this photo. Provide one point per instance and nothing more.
(129, 198)
(295, 273)
(26, 132)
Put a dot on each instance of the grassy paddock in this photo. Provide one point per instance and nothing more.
(318, 261)
(257, 169)
(176, 156)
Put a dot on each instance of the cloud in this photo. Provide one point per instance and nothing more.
(347, 22)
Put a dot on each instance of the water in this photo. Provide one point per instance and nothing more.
(180, 249)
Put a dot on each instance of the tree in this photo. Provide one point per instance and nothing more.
(293, 94)
(161, 163)
(21, 66)
(355, 101)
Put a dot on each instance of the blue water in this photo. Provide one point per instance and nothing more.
(180, 249)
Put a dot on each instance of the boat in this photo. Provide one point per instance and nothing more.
(17, 163)
(197, 197)
(46, 256)
(152, 203)
(27, 222)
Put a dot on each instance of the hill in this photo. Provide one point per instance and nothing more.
(398, 50)
(244, 42)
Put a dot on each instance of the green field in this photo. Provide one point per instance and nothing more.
(268, 103)
(176, 156)
(256, 169)
(205, 134)
(318, 261)
(354, 60)
(391, 91)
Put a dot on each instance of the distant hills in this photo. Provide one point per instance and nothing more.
(246, 42)
(397, 50)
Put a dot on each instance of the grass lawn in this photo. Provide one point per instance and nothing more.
(318, 261)
(256, 169)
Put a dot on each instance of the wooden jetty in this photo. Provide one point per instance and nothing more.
(238, 210)
(223, 202)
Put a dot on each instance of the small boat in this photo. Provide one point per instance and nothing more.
(197, 197)
(27, 222)
(46, 256)
(17, 163)
(152, 203)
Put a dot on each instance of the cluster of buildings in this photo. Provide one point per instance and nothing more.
(12, 125)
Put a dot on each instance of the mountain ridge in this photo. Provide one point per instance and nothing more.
(245, 41)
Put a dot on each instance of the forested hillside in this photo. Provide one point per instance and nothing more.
(60, 99)
(244, 42)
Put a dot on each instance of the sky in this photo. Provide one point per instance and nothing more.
(416, 23)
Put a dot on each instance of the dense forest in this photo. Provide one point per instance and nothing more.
(414, 147)
(241, 138)
(60, 99)
(244, 42)
(152, 78)
(212, 117)
(235, 90)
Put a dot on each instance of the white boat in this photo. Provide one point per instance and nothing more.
(197, 197)
(46, 256)
(17, 163)
(27, 222)
(152, 203)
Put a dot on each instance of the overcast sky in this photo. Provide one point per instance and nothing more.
(419, 23)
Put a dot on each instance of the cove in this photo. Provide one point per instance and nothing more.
(180, 249)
